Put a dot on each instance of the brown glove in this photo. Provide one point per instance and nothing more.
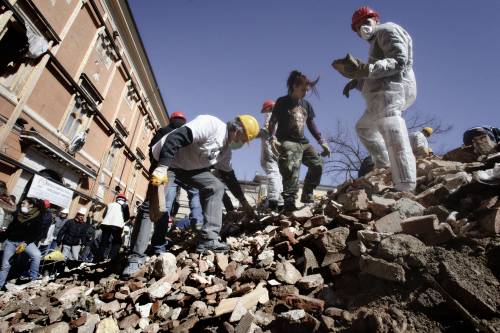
(349, 86)
(351, 67)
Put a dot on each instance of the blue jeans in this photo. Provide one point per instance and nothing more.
(8, 252)
(143, 224)
(196, 214)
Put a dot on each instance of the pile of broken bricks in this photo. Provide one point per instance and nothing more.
(362, 259)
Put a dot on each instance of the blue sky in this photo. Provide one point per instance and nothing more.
(225, 57)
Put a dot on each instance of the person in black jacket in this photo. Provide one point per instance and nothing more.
(23, 234)
(73, 235)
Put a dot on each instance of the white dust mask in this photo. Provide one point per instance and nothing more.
(366, 32)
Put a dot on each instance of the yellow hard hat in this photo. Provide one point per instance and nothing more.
(429, 130)
(250, 125)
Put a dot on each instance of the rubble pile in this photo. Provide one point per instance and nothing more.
(362, 259)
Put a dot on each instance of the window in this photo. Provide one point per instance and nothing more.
(75, 119)
(15, 68)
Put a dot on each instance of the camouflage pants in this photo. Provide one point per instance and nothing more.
(292, 155)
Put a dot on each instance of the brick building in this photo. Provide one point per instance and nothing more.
(79, 102)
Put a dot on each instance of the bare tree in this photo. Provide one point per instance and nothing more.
(348, 152)
(416, 120)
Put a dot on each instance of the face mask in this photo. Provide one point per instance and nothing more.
(366, 32)
(236, 145)
(24, 210)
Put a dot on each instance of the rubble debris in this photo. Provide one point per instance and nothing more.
(363, 258)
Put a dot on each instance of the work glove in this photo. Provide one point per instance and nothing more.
(326, 150)
(248, 209)
(20, 248)
(349, 86)
(159, 176)
(275, 146)
(351, 67)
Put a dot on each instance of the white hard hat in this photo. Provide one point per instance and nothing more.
(82, 211)
(65, 211)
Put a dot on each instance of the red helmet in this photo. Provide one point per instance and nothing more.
(46, 204)
(121, 196)
(362, 14)
(178, 114)
(268, 104)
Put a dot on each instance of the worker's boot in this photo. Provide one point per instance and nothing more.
(307, 197)
(289, 205)
(272, 205)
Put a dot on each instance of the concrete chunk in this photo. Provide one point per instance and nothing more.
(389, 223)
(382, 269)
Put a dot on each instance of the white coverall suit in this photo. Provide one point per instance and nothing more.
(419, 144)
(389, 89)
(269, 163)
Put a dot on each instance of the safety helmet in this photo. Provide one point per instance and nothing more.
(65, 211)
(362, 14)
(121, 196)
(250, 126)
(178, 114)
(46, 204)
(428, 130)
(267, 106)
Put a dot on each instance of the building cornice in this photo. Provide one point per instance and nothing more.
(122, 18)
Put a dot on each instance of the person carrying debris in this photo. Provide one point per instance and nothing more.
(269, 161)
(190, 151)
(388, 85)
(419, 143)
(141, 231)
(73, 235)
(116, 215)
(484, 139)
(292, 113)
(23, 234)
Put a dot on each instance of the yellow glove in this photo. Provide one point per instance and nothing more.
(326, 150)
(20, 248)
(159, 176)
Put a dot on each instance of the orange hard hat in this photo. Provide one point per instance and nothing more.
(267, 105)
(178, 114)
(361, 14)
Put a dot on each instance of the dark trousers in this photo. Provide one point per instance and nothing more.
(111, 235)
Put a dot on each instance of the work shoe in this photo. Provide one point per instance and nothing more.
(307, 198)
(289, 205)
(211, 245)
(272, 205)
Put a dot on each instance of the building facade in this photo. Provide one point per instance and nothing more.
(79, 102)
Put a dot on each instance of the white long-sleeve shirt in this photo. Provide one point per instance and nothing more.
(419, 143)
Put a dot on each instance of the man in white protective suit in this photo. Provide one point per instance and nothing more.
(388, 85)
(269, 162)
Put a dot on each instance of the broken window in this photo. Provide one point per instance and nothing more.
(20, 44)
